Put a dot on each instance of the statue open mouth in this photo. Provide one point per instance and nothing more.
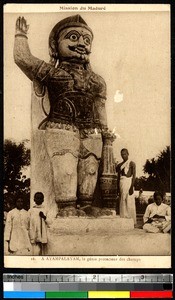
(79, 50)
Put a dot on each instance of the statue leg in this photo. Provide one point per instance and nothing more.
(87, 178)
(90, 153)
(63, 150)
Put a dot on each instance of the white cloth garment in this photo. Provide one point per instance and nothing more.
(127, 202)
(17, 232)
(37, 230)
(154, 209)
(125, 166)
(157, 226)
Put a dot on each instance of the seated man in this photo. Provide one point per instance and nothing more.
(157, 217)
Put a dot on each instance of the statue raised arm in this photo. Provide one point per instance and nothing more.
(23, 58)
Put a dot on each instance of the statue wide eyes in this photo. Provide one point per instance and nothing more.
(87, 40)
(73, 37)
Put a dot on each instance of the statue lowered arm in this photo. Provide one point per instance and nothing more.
(28, 63)
(101, 110)
(100, 100)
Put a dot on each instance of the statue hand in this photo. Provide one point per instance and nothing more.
(21, 26)
(106, 133)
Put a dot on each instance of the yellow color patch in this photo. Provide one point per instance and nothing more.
(108, 294)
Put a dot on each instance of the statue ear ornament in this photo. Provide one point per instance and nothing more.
(53, 52)
(56, 63)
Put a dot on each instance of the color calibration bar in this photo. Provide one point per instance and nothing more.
(88, 295)
(84, 286)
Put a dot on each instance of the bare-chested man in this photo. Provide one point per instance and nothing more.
(126, 177)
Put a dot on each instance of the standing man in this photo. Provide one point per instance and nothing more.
(17, 230)
(126, 178)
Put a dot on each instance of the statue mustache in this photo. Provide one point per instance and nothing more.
(74, 48)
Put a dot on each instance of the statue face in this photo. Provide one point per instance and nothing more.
(75, 42)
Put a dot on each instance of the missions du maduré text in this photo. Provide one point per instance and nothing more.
(63, 7)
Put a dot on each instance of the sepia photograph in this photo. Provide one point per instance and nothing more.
(87, 135)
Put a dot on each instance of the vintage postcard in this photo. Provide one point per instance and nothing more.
(87, 136)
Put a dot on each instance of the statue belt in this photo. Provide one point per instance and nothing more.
(73, 128)
(74, 108)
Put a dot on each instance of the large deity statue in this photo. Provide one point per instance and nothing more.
(76, 122)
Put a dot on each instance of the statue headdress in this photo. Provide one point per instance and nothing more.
(72, 21)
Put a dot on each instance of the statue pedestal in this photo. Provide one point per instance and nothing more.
(108, 180)
(41, 171)
(74, 235)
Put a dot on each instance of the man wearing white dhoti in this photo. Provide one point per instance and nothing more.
(157, 217)
(126, 177)
(38, 227)
(16, 233)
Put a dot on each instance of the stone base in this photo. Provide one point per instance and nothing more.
(133, 242)
(71, 236)
(81, 225)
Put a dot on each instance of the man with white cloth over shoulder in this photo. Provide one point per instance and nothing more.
(126, 178)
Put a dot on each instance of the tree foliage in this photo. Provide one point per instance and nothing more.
(158, 171)
(16, 158)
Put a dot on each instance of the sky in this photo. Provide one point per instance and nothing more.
(131, 51)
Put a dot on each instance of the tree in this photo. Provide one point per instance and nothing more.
(158, 170)
(140, 183)
(16, 158)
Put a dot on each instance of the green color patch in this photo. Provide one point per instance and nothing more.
(67, 295)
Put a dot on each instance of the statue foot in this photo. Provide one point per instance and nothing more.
(71, 211)
(92, 211)
(85, 211)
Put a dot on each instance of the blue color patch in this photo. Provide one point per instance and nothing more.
(24, 295)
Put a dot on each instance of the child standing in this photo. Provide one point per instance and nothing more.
(38, 228)
(16, 233)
